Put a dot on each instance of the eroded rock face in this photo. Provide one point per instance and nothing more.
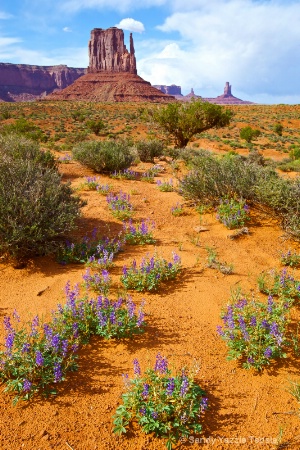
(23, 82)
(108, 53)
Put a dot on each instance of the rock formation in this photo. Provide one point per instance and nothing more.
(227, 98)
(171, 90)
(112, 74)
(108, 53)
(22, 82)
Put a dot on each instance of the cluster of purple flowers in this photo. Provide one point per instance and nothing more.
(150, 273)
(91, 183)
(120, 205)
(165, 186)
(140, 233)
(233, 213)
(98, 282)
(255, 330)
(126, 174)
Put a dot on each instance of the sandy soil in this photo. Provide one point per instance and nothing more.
(247, 410)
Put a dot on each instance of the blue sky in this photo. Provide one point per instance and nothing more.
(253, 44)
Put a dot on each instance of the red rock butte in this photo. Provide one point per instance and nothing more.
(112, 74)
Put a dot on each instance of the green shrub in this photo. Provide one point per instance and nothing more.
(249, 133)
(26, 128)
(278, 128)
(294, 152)
(213, 178)
(36, 208)
(104, 156)
(148, 150)
(95, 125)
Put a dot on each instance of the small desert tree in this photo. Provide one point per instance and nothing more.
(184, 120)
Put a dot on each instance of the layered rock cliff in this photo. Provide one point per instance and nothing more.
(112, 74)
(22, 82)
(107, 52)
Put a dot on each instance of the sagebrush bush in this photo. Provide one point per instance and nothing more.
(148, 150)
(104, 156)
(213, 178)
(25, 128)
(36, 208)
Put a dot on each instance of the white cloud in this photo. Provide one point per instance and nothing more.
(67, 30)
(251, 44)
(131, 25)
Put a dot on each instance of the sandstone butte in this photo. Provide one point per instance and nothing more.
(112, 74)
(24, 82)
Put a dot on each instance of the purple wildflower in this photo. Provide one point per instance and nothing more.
(112, 317)
(243, 328)
(154, 414)
(26, 347)
(141, 315)
(7, 324)
(75, 330)
(26, 385)
(39, 360)
(170, 387)
(136, 367)
(16, 316)
(145, 392)
(220, 330)
(268, 352)
(184, 386)
(34, 325)
(57, 372)
(204, 404)
(55, 342)
(228, 318)
(253, 321)
(143, 411)
(241, 303)
(270, 304)
(250, 360)
(9, 342)
(130, 308)
(161, 364)
(64, 348)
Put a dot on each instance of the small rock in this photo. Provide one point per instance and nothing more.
(22, 423)
(200, 228)
(42, 433)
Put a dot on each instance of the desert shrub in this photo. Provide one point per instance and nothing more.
(255, 331)
(37, 355)
(13, 146)
(104, 156)
(95, 126)
(294, 152)
(25, 128)
(36, 208)
(162, 401)
(249, 133)
(232, 176)
(182, 121)
(278, 128)
(148, 150)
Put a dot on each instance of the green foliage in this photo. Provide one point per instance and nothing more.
(151, 273)
(25, 128)
(232, 176)
(294, 152)
(255, 331)
(89, 249)
(281, 284)
(249, 133)
(184, 120)
(36, 208)
(149, 149)
(161, 401)
(96, 126)
(104, 156)
(233, 213)
(290, 258)
(139, 234)
(37, 355)
(165, 186)
(278, 128)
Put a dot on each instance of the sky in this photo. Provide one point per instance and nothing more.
(199, 44)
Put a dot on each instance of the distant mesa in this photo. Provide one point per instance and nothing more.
(171, 90)
(112, 74)
(24, 82)
(225, 99)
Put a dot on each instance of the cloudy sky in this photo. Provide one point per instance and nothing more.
(200, 44)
